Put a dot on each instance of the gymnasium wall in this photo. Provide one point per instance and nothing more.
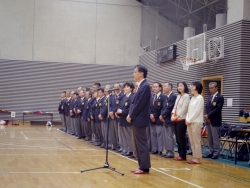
(103, 32)
(157, 31)
(37, 85)
(234, 67)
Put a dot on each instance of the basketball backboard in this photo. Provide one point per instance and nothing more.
(196, 48)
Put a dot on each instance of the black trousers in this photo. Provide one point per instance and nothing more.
(141, 147)
(180, 129)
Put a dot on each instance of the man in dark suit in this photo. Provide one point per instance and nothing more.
(139, 117)
(79, 105)
(156, 104)
(214, 120)
(168, 128)
(61, 110)
(86, 116)
(72, 112)
(103, 104)
(67, 112)
(114, 103)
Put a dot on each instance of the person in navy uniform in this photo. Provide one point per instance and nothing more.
(156, 124)
(79, 103)
(168, 127)
(114, 103)
(138, 116)
(70, 100)
(213, 118)
(61, 110)
(125, 127)
(98, 122)
(103, 104)
(91, 116)
(86, 116)
(67, 112)
(94, 118)
(95, 87)
(72, 112)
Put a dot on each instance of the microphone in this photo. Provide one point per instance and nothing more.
(114, 89)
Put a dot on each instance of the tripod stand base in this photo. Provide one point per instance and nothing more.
(106, 165)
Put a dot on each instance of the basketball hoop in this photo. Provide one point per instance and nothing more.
(186, 62)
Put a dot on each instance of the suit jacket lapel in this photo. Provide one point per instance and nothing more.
(136, 94)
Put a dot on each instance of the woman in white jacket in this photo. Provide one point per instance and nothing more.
(194, 121)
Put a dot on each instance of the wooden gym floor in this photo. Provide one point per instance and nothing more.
(34, 156)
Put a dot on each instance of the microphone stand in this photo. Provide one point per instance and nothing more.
(106, 164)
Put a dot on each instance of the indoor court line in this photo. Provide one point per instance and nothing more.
(39, 130)
(42, 172)
(31, 146)
(66, 145)
(66, 149)
(231, 176)
(161, 172)
(34, 149)
(24, 135)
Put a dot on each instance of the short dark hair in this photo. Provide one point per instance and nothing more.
(64, 92)
(87, 89)
(101, 89)
(185, 87)
(198, 87)
(90, 93)
(129, 84)
(143, 69)
(97, 84)
(159, 84)
(170, 84)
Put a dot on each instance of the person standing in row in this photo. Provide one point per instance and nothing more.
(125, 127)
(168, 128)
(156, 124)
(67, 112)
(73, 112)
(114, 102)
(179, 114)
(91, 116)
(86, 116)
(194, 121)
(97, 119)
(61, 110)
(213, 118)
(103, 104)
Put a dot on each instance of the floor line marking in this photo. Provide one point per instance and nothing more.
(24, 135)
(35, 148)
(232, 176)
(39, 130)
(161, 172)
(30, 146)
(43, 172)
(65, 145)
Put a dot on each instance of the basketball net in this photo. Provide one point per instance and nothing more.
(186, 62)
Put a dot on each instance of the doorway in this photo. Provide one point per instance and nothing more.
(205, 84)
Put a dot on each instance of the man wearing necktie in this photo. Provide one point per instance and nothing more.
(165, 117)
(213, 118)
(86, 116)
(156, 124)
(114, 103)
